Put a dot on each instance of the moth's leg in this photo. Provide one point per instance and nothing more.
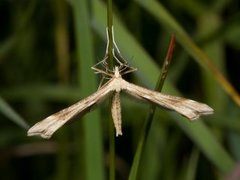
(131, 69)
(97, 71)
(106, 52)
(116, 58)
(114, 43)
(123, 67)
(119, 58)
(102, 62)
(113, 39)
(101, 82)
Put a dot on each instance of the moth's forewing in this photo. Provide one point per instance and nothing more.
(49, 125)
(186, 107)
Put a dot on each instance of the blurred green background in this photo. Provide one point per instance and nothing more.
(46, 50)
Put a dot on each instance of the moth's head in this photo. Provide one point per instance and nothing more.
(116, 71)
(122, 69)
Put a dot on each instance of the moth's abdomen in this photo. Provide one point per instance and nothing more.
(116, 113)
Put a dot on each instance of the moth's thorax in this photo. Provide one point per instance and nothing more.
(118, 78)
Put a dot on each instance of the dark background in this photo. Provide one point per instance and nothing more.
(41, 65)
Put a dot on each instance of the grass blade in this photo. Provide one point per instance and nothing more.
(11, 114)
(92, 126)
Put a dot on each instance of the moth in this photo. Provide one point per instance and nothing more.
(188, 108)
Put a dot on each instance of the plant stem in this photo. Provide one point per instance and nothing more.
(109, 29)
(110, 62)
(148, 122)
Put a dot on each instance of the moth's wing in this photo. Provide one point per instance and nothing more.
(49, 125)
(186, 107)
